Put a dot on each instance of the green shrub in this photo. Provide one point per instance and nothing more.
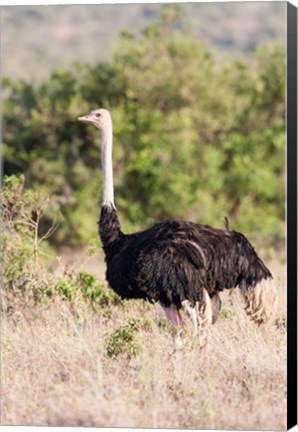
(196, 136)
(24, 248)
(125, 339)
(100, 297)
(226, 313)
(65, 288)
(23, 240)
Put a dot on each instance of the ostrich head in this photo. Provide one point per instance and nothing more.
(99, 117)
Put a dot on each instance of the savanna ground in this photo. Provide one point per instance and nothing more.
(64, 363)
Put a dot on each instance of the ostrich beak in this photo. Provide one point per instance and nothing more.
(85, 119)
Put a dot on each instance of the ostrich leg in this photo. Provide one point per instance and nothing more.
(191, 312)
(216, 306)
(204, 318)
(201, 317)
(175, 320)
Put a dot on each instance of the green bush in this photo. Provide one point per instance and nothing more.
(99, 296)
(125, 339)
(24, 249)
(24, 234)
(65, 288)
(197, 135)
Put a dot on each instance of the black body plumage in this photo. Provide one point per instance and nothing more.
(175, 261)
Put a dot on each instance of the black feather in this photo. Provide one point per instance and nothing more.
(174, 261)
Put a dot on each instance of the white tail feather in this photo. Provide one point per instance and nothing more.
(261, 300)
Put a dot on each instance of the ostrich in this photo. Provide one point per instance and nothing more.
(180, 265)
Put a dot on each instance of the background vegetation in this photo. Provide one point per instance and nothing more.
(199, 133)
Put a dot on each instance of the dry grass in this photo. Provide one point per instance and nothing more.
(55, 371)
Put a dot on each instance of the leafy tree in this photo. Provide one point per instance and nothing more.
(197, 135)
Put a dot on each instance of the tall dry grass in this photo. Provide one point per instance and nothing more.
(55, 371)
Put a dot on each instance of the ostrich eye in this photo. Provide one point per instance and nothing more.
(97, 115)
